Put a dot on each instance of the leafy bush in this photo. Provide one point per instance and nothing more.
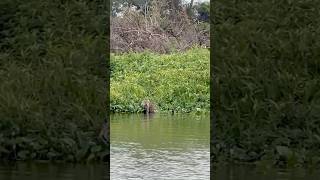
(266, 72)
(52, 74)
(177, 81)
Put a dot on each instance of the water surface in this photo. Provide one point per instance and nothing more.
(251, 172)
(52, 171)
(160, 147)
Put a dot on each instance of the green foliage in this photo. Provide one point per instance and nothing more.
(178, 81)
(52, 74)
(266, 79)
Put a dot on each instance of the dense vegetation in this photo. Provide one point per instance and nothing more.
(149, 40)
(52, 74)
(177, 81)
(266, 79)
(162, 26)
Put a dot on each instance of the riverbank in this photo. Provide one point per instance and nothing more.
(177, 81)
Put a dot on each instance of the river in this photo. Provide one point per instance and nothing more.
(172, 147)
(45, 170)
(160, 147)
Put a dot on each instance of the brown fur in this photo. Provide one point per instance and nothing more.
(148, 107)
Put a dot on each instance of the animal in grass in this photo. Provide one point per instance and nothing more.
(148, 107)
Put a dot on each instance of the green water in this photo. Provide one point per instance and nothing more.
(160, 147)
(251, 172)
(52, 171)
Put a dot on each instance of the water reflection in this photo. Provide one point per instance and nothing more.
(159, 147)
(251, 172)
(52, 171)
(148, 116)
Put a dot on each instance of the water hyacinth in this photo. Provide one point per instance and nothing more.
(177, 81)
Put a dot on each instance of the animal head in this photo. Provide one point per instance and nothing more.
(148, 107)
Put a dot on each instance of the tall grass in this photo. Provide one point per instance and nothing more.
(177, 81)
(267, 79)
(52, 74)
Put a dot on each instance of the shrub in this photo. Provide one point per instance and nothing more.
(266, 72)
(177, 81)
(52, 74)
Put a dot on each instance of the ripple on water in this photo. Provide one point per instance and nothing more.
(165, 147)
(159, 164)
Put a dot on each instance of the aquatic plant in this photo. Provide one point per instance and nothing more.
(177, 81)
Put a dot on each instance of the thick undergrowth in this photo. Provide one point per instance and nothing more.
(52, 74)
(176, 81)
(266, 72)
